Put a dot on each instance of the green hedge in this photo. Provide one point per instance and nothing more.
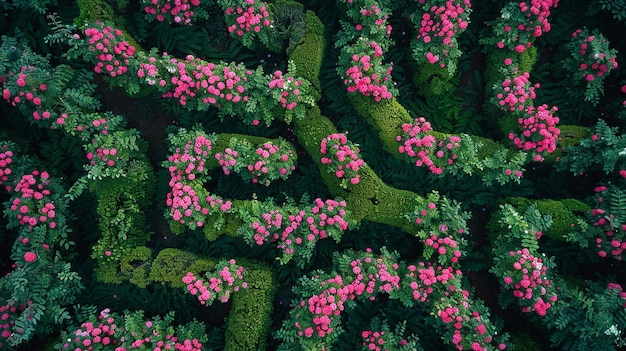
(563, 212)
(308, 55)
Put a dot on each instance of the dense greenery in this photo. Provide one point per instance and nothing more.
(171, 173)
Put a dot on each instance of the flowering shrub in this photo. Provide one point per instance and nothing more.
(174, 11)
(232, 88)
(110, 154)
(539, 132)
(28, 89)
(296, 229)
(421, 145)
(268, 162)
(228, 278)
(343, 158)
(464, 322)
(520, 23)
(516, 93)
(247, 20)
(362, 46)
(362, 70)
(438, 25)
(442, 227)
(529, 282)
(6, 159)
(591, 61)
(132, 331)
(188, 202)
(315, 320)
(108, 49)
(606, 215)
(33, 206)
(8, 314)
(518, 263)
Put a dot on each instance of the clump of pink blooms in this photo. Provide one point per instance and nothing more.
(105, 155)
(298, 229)
(219, 285)
(6, 159)
(188, 202)
(516, 93)
(32, 206)
(268, 162)
(171, 11)
(438, 26)
(286, 89)
(427, 151)
(523, 22)
(539, 131)
(195, 83)
(374, 340)
(422, 279)
(529, 282)
(593, 64)
(109, 332)
(29, 91)
(365, 72)
(8, 315)
(613, 243)
(110, 51)
(342, 158)
(367, 277)
(246, 18)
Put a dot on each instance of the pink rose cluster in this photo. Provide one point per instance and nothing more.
(592, 60)
(111, 53)
(418, 144)
(438, 28)
(529, 281)
(29, 91)
(374, 340)
(286, 90)
(539, 131)
(423, 279)
(268, 162)
(524, 22)
(366, 74)
(227, 160)
(249, 16)
(105, 333)
(176, 11)
(298, 230)
(9, 313)
(593, 63)
(32, 207)
(6, 159)
(228, 279)
(189, 203)
(104, 155)
(516, 93)
(613, 244)
(371, 21)
(200, 84)
(367, 277)
(342, 158)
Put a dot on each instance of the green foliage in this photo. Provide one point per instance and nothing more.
(135, 266)
(564, 213)
(307, 55)
(249, 320)
(171, 265)
(604, 150)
